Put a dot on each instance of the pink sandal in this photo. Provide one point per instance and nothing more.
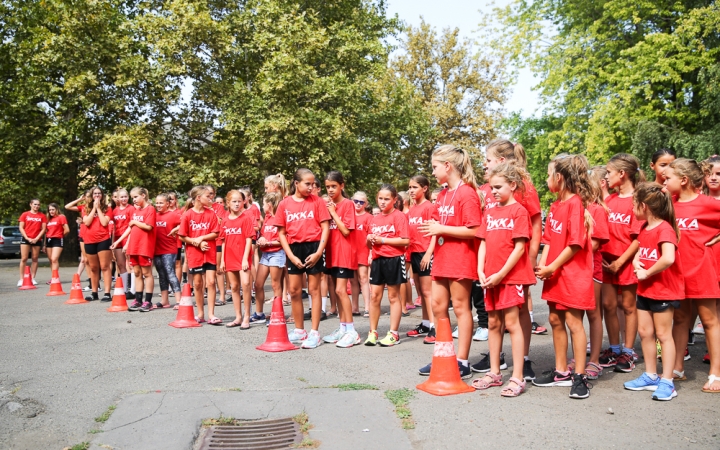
(510, 391)
(482, 384)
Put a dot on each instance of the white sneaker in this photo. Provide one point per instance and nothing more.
(297, 337)
(312, 341)
(87, 289)
(34, 282)
(481, 334)
(349, 339)
(456, 333)
(19, 283)
(698, 329)
(333, 337)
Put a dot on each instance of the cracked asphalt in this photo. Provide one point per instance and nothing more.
(64, 365)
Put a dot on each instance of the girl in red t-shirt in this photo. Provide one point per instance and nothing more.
(277, 183)
(623, 173)
(711, 168)
(272, 262)
(76, 206)
(166, 251)
(504, 270)
(455, 259)
(218, 208)
(340, 258)
(96, 218)
(173, 207)
(698, 218)
(139, 238)
(122, 214)
(361, 281)
(660, 287)
(303, 229)
(199, 228)
(421, 250)
(33, 225)
(57, 229)
(236, 234)
(566, 269)
(388, 239)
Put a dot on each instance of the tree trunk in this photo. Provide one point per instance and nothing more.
(71, 252)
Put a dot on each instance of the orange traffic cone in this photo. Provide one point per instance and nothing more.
(444, 375)
(186, 314)
(348, 288)
(119, 301)
(27, 280)
(55, 285)
(76, 296)
(277, 337)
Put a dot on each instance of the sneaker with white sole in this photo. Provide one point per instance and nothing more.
(537, 329)
(528, 372)
(698, 329)
(580, 386)
(481, 334)
(349, 339)
(34, 282)
(554, 378)
(390, 340)
(20, 283)
(665, 391)
(313, 341)
(297, 336)
(642, 383)
(419, 331)
(483, 365)
(371, 339)
(456, 332)
(333, 337)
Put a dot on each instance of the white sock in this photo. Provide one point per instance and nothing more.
(653, 376)
(426, 323)
(349, 327)
(343, 327)
(132, 284)
(669, 380)
(394, 331)
(527, 358)
(531, 316)
(125, 277)
(324, 302)
(464, 362)
(314, 332)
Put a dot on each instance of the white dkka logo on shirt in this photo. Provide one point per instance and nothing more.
(270, 229)
(289, 216)
(619, 218)
(446, 210)
(161, 224)
(683, 224)
(377, 229)
(138, 218)
(555, 226)
(123, 217)
(649, 254)
(33, 219)
(500, 224)
(415, 220)
(233, 231)
(195, 226)
(333, 225)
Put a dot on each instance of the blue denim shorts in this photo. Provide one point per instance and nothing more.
(273, 259)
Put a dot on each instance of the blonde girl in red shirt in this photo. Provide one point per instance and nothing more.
(235, 260)
(566, 269)
(277, 183)
(57, 229)
(455, 258)
(272, 262)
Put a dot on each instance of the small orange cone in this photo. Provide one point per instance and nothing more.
(27, 280)
(76, 296)
(186, 314)
(444, 375)
(55, 285)
(348, 288)
(277, 337)
(119, 301)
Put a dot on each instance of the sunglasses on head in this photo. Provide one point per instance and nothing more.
(358, 202)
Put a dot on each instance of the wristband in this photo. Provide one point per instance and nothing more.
(382, 241)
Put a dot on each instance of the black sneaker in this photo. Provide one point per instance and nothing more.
(608, 358)
(106, 298)
(304, 295)
(253, 300)
(228, 298)
(135, 306)
(465, 371)
(528, 372)
(691, 338)
(425, 371)
(553, 378)
(323, 316)
(420, 330)
(484, 364)
(145, 307)
(580, 386)
(129, 296)
(625, 363)
(307, 315)
(537, 329)
(90, 298)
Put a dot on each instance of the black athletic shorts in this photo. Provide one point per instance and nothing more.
(302, 250)
(179, 255)
(218, 249)
(54, 242)
(25, 242)
(390, 271)
(202, 269)
(648, 304)
(415, 258)
(94, 249)
(339, 272)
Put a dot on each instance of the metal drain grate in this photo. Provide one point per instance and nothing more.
(253, 435)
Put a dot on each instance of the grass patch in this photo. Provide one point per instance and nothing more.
(95, 431)
(222, 420)
(16, 389)
(400, 399)
(302, 379)
(106, 415)
(307, 443)
(80, 446)
(236, 389)
(303, 420)
(355, 387)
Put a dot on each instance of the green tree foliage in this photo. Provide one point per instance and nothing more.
(623, 75)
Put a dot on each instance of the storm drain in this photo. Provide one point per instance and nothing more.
(253, 435)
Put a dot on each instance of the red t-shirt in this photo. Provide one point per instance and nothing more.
(457, 258)
(622, 224)
(601, 233)
(121, 218)
(359, 236)
(221, 214)
(393, 225)
(234, 233)
(418, 215)
(55, 227)
(302, 219)
(530, 200)
(571, 285)
(716, 251)
(195, 224)
(501, 225)
(179, 214)
(270, 233)
(668, 284)
(96, 232)
(698, 221)
(340, 252)
(164, 223)
(33, 223)
(142, 243)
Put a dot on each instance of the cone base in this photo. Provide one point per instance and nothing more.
(27, 288)
(53, 294)
(185, 324)
(76, 301)
(117, 309)
(276, 347)
(442, 388)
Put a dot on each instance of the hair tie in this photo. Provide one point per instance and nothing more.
(638, 169)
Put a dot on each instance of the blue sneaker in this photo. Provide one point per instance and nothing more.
(665, 391)
(257, 319)
(642, 383)
(296, 337)
(481, 334)
(425, 371)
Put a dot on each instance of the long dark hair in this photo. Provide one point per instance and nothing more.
(337, 177)
(424, 183)
(297, 177)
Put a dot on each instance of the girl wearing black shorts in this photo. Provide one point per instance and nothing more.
(57, 229)
(33, 225)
